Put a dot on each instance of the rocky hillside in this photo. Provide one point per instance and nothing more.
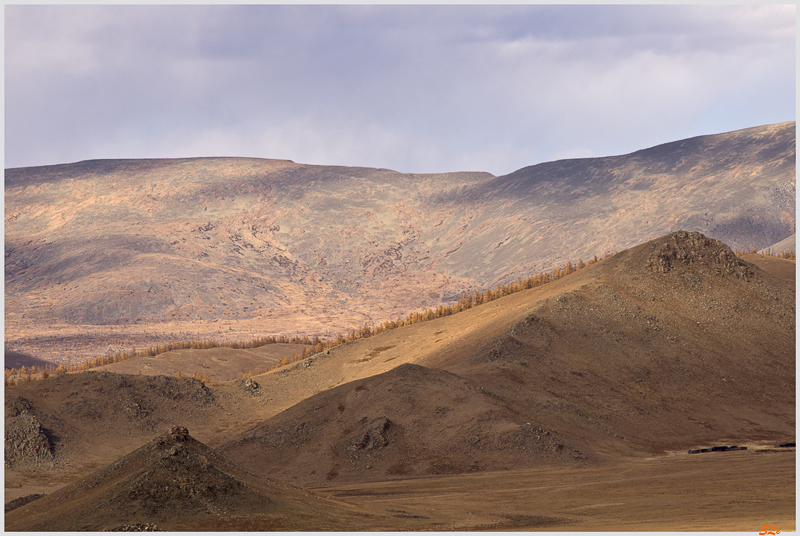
(276, 246)
(411, 420)
(174, 482)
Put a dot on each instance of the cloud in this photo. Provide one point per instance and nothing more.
(412, 88)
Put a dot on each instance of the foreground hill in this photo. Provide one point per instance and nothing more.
(91, 418)
(212, 247)
(177, 483)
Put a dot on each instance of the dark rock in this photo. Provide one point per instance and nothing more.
(136, 527)
(375, 436)
(22, 501)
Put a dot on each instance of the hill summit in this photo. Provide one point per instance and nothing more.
(682, 250)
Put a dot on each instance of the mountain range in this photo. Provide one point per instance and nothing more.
(113, 252)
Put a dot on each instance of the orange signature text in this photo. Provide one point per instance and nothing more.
(766, 530)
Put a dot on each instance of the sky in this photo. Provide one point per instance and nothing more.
(413, 88)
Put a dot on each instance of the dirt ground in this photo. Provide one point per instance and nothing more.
(740, 491)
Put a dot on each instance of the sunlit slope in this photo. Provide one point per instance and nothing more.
(216, 364)
(181, 244)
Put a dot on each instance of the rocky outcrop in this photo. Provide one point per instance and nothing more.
(683, 249)
(26, 441)
(249, 385)
(375, 435)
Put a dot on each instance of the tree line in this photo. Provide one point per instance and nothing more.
(26, 374)
(785, 254)
(466, 301)
(315, 345)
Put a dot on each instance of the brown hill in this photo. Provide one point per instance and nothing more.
(411, 420)
(177, 483)
(67, 426)
(671, 344)
(73, 415)
(780, 268)
(100, 252)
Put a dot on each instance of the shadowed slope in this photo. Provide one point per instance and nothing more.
(176, 483)
(17, 360)
(409, 421)
(672, 343)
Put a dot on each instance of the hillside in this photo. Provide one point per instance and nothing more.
(177, 483)
(217, 364)
(131, 252)
(671, 344)
(411, 420)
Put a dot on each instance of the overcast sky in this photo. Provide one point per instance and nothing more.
(412, 88)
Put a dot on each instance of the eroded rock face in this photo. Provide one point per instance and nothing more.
(683, 249)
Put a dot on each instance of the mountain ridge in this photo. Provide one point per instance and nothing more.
(141, 248)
